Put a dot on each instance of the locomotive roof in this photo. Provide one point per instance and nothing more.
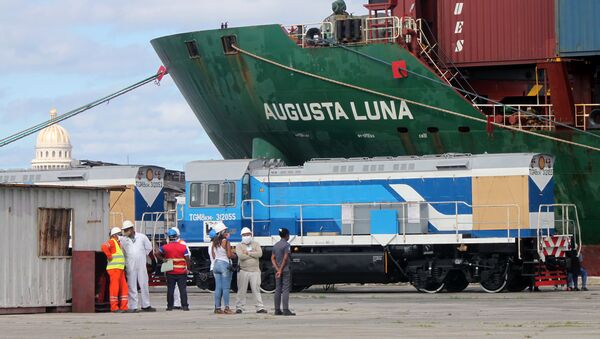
(98, 175)
(427, 163)
(208, 170)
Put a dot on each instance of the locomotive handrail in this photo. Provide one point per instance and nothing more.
(154, 218)
(402, 221)
(564, 221)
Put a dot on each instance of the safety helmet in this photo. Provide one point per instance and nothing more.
(127, 224)
(171, 233)
(219, 227)
(176, 230)
(114, 230)
(245, 230)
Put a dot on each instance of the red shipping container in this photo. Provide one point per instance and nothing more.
(496, 32)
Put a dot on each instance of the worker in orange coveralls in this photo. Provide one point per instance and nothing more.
(115, 268)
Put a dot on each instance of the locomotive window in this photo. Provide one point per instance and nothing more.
(246, 187)
(196, 195)
(228, 193)
(213, 194)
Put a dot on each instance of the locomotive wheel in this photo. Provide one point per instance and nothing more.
(517, 282)
(494, 281)
(431, 287)
(205, 281)
(267, 278)
(456, 281)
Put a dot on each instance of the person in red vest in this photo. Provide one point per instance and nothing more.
(176, 296)
(180, 256)
(115, 267)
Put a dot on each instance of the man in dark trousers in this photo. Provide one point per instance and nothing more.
(180, 257)
(283, 280)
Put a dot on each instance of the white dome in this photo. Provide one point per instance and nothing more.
(53, 147)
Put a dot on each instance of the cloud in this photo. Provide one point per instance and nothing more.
(66, 53)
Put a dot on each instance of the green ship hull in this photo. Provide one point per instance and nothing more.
(251, 108)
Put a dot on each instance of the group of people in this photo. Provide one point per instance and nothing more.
(248, 254)
(127, 251)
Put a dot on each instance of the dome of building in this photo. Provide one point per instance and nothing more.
(53, 147)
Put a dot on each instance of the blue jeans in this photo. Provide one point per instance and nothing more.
(572, 281)
(583, 273)
(222, 282)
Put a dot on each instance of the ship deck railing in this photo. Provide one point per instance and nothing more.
(504, 217)
(298, 33)
(535, 116)
(388, 29)
(383, 29)
(532, 116)
(582, 114)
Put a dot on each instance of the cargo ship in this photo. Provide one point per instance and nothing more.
(409, 77)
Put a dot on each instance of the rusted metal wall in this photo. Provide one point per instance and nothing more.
(496, 32)
(27, 280)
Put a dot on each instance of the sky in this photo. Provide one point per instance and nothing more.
(66, 53)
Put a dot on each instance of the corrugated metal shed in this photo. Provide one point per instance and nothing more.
(26, 279)
(496, 32)
(577, 26)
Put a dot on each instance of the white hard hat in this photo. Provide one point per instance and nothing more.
(176, 230)
(245, 230)
(127, 224)
(219, 227)
(114, 230)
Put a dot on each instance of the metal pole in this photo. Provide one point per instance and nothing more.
(456, 218)
(252, 216)
(404, 220)
(507, 223)
(567, 216)
(301, 227)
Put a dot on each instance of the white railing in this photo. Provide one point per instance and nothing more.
(387, 28)
(522, 116)
(510, 222)
(565, 225)
(535, 116)
(324, 31)
(374, 29)
(582, 113)
(152, 225)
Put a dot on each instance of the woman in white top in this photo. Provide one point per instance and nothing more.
(222, 255)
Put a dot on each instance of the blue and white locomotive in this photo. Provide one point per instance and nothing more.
(434, 221)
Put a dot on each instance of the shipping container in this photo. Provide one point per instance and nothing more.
(496, 32)
(577, 27)
(42, 227)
